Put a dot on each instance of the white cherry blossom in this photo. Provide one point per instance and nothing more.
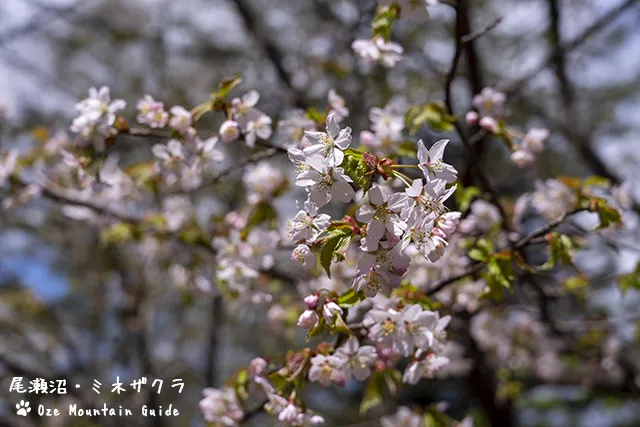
(324, 181)
(337, 105)
(432, 164)
(180, 119)
(379, 50)
(308, 223)
(381, 214)
(151, 112)
(329, 144)
(355, 360)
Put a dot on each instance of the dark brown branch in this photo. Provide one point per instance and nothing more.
(544, 229)
(530, 239)
(463, 31)
(270, 49)
(482, 381)
(213, 343)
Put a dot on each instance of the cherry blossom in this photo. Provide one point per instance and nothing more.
(263, 181)
(425, 200)
(325, 181)
(221, 406)
(490, 103)
(308, 319)
(151, 112)
(431, 163)
(379, 50)
(425, 368)
(97, 117)
(304, 255)
(308, 223)
(381, 215)
(404, 417)
(552, 198)
(295, 126)
(229, 131)
(325, 370)
(7, 165)
(180, 119)
(355, 360)
(329, 144)
(338, 106)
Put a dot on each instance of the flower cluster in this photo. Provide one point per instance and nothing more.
(240, 260)
(97, 117)
(393, 220)
(411, 331)
(184, 162)
(350, 360)
(490, 115)
(221, 407)
(151, 112)
(387, 125)
(7, 166)
(247, 120)
(263, 182)
(379, 50)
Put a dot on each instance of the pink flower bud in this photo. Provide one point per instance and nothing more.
(367, 138)
(448, 222)
(522, 158)
(308, 319)
(311, 301)
(330, 310)
(534, 139)
(229, 131)
(257, 367)
(489, 123)
(471, 118)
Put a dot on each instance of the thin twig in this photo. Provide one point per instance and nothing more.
(564, 48)
(520, 244)
(481, 32)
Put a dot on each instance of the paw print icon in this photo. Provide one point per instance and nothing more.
(23, 408)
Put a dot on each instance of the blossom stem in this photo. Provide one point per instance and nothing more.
(405, 166)
(402, 177)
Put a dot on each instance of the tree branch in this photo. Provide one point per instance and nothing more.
(520, 244)
(567, 47)
(270, 49)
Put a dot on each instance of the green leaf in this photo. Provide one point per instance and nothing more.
(262, 212)
(318, 329)
(339, 326)
(465, 196)
(607, 214)
(499, 275)
(629, 280)
(225, 86)
(596, 181)
(434, 114)
(407, 149)
(373, 393)
(317, 116)
(477, 254)
(359, 167)
(200, 110)
(383, 21)
(561, 248)
(117, 233)
(350, 298)
(337, 242)
(575, 284)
